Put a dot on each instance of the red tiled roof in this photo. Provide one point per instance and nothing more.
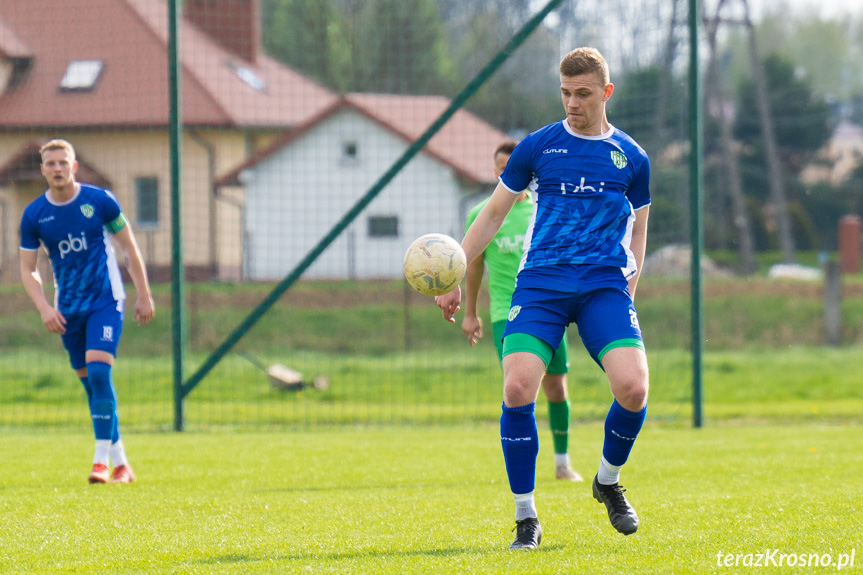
(10, 45)
(466, 143)
(130, 37)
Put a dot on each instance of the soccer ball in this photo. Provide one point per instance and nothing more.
(434, 264)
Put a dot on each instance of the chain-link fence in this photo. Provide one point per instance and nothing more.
(292, 111)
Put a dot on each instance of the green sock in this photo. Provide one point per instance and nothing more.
(558, 419)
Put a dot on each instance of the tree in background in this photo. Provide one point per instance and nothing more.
(521, 95)
(304, 35)
(728, 203)
(399, 47)
(802, 120)
(636, 99)
(825, 50)
(802, 126)
(385, 46)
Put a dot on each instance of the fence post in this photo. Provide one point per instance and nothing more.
(178, 279)
(832, 303)
(696, 204)
(850, 236)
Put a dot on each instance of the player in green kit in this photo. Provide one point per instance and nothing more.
(503, 256)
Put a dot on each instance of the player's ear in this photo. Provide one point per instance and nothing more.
(609, 89)
(75, 167)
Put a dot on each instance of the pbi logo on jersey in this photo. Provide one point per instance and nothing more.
(107, 333)
(619, 159)
(72, 244)
(513, 312)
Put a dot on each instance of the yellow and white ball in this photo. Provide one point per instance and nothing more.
(435, 264)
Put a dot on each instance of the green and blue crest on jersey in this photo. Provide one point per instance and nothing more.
(88, 210)
(619, 159)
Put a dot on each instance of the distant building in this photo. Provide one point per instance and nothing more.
(842, 154)
(96, 73)
(300, 186)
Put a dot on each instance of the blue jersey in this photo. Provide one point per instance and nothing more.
(75, 235)
(587, 189)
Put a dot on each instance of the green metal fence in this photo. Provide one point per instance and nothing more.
(275, 158)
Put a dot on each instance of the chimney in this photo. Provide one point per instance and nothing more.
(233, 24)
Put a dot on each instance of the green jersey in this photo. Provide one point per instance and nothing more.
(503, 255)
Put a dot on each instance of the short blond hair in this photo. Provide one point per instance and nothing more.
(585, 61)
(58, 144)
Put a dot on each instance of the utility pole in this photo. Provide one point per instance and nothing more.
(718, 101)
(775, 179)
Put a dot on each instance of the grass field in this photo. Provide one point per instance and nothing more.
(411, 500)
(397, 468)
(798, 384)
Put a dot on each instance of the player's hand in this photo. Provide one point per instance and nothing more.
(53, 320)
(449, 303)
(145, 310)
(471, 326)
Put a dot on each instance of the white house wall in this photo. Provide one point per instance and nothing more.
(296, 195)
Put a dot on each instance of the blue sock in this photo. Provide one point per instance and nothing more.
(103, 405)
(520, 442)
(621, 429)
(86, 383)
(115, 429)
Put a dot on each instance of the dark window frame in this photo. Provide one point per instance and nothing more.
(381, 226)
(145, 211)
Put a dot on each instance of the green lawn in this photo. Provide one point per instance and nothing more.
(424, 500)
(397, 467)
(797, 384)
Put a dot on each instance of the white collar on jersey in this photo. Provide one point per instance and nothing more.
(569, 129)
(67, 202)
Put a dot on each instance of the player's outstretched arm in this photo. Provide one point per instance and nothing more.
(477, 238)
(32, 280)
(488, 222)
(471, 325)
(145, 307)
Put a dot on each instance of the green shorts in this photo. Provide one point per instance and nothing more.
(559, 361)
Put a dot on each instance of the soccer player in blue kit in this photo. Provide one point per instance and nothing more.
(74, 222)
(583, 252)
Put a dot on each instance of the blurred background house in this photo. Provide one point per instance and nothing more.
(99, 78)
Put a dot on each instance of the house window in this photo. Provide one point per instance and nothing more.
(147, 202)
(383, 226)
(249, 76)
(81, 75)
(350, 153)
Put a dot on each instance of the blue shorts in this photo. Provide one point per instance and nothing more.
(595, 298)
(99, 330)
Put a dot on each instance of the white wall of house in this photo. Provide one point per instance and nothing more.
(296, 195)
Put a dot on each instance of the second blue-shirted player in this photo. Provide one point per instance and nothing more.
(74, 223)
(583, 252)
